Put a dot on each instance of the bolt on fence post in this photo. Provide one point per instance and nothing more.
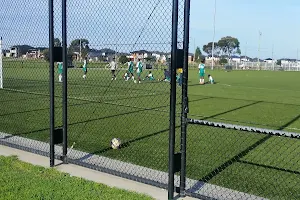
(173, 99)
(184, 97)
(51, 78)
(65, 79)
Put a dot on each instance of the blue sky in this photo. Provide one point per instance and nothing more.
(278, 20)
(119, 23)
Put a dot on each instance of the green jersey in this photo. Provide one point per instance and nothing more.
(130, 67)
(139, 67)
(84, 67)
(60, 68)
(201, 69)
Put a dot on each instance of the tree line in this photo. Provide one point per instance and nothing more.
(224, 48)
(75, 46)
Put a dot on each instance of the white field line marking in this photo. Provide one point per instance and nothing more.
(293, 128)
(226, 85)
(23, 91)
(260, 88)
(118, 95)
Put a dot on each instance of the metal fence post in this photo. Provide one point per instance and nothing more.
(51, 78)
(1, 66)
(184, 97)
(173, 99)
(65, 79)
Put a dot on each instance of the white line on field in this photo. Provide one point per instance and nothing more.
(226, 85)
(293, 128)
(23, 91)
(260, 88)
(120, 95)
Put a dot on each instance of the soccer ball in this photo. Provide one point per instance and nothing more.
(115, 143)
(135, 81)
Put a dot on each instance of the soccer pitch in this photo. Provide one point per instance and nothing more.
(101, 109)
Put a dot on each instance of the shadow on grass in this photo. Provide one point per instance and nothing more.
(22, 99)
(95, 119)
(226, 164)
(238, 157)
(125, 144)
(271, 102)
(235, 109)
(41, 109)
(193, 85)
(269, 167)
(289, 123)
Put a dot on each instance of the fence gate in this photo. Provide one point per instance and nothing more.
(116, 91)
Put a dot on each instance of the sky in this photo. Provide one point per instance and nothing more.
(127, 25)
(278, 21)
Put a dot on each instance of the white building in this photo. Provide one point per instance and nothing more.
(270, 61)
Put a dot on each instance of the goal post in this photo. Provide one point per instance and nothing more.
(1, 65)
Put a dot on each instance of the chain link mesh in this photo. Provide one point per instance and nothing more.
(102, 103)
(24, 107)
(224, 161)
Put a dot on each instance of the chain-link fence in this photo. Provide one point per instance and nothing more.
(243, 136)
(243, 65)
(270, 66)
(126, 47)
(226, 161)
(24, 107)
(118, 83)
(118, 101)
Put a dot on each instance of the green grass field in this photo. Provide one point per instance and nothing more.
(20, 180)
(138, 114)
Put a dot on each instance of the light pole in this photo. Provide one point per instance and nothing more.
(213, 44)
(273, 63)
(259, 40)
(80, 57)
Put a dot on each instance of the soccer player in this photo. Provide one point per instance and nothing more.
(167, 76)
(139, 70)
(202, 71)
(210, 79)
(84, 68)
(149, 77)
(179, 78)
(130, 69)
(113, 67)
(60, 71)
(126, 76)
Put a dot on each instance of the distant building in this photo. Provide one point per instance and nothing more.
(14, 52)
(141, 54)
(270, 60)
(245, 59)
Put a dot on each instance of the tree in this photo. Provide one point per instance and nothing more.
(229, 45)
(198, 54)
(75, 47)
(278, 62)
(57, 42)
(151, 59)
(223, 61)
(123, 59)
(208, 48)
(238, 51)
